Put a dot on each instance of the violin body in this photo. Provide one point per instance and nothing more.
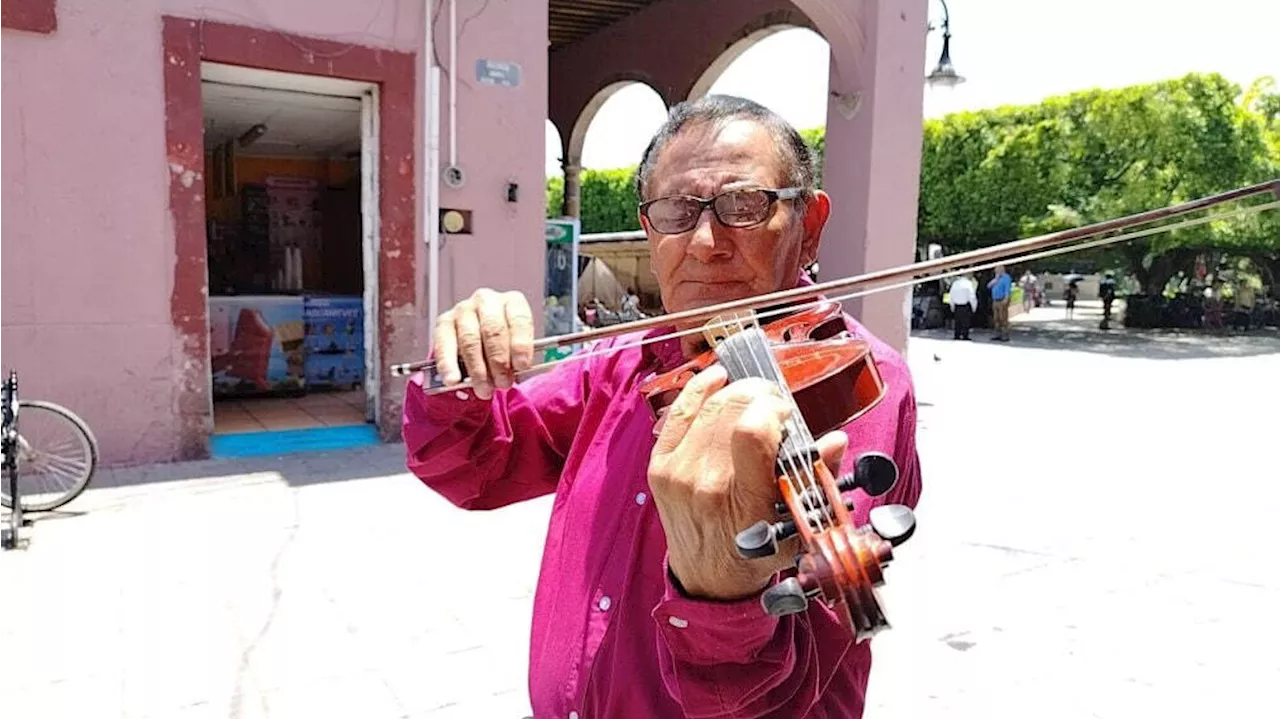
(831, 380)
(832, 376)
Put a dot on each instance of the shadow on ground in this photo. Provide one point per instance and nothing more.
(1049, 329)
(299, 469)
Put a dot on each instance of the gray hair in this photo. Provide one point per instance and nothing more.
(794, 155)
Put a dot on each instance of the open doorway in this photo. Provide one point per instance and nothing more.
(292, 244)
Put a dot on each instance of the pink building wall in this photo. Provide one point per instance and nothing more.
(89, 249)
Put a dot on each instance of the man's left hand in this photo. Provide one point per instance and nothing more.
(713, 474)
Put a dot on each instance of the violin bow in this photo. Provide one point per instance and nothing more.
(1046, 245)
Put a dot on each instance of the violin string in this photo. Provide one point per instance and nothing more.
(738, 367)
(796, 470)
(675, 334)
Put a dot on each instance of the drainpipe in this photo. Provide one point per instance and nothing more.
(431, 173)
(453, 83)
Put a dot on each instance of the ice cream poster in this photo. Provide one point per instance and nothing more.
(256, 345)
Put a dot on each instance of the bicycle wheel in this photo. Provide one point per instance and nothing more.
(57, 454)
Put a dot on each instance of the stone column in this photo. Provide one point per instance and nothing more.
(572, 204)
(872, 164)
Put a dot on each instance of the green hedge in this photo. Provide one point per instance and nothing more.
(608, 200)
(991, 176)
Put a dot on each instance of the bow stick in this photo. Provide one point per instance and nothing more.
(1046, 245)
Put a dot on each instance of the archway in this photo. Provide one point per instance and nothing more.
(614, 127)
(610, 133)
(798, 92)
(555, 151)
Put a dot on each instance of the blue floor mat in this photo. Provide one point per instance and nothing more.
(288, 441)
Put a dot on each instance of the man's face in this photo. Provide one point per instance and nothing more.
(712, 263)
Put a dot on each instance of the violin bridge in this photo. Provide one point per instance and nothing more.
(721, 327)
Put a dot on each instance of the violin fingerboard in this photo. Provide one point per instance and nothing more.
(747, 353)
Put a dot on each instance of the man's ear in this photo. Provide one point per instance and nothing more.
(817, 209)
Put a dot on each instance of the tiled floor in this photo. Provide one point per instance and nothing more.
(318, 409)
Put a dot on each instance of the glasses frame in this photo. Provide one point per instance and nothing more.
(705, 203)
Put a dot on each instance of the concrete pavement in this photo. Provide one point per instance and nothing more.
(1096, 539)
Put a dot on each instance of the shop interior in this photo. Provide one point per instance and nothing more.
(285, 259)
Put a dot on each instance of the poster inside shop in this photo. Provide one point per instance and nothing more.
(560, 297)
(256, 345)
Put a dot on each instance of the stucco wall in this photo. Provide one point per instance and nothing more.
(88, 264)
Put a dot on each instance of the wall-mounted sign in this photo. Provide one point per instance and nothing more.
(560, 298)
(496, 72)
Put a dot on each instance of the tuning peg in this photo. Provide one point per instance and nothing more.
(894, 523)
(785, 597)
(873, 472)
(761, 539)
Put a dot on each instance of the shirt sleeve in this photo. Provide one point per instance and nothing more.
(731, 659)
(484, 454)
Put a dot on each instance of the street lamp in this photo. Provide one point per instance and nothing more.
(944, 75)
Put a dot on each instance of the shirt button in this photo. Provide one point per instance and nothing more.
(640, 498)
(461, 394)
(573, 715)
(678, 622)
(604, 604)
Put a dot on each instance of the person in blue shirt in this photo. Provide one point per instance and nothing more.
(1001, 287)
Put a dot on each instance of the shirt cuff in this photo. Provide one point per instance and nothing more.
(708, 631)
(446, 408)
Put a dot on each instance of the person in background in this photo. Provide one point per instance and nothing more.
(1070, 294)
(1107, 291)
(1028, 284)
(964, 301)
(1001, 287)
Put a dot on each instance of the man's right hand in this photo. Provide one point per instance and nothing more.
(492, 332)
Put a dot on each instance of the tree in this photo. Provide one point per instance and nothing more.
(995, 175)
(608, 200)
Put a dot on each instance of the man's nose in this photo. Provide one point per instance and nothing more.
(704, 243)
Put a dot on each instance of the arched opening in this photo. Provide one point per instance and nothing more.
(615, 126)
(750, 68)
(555, 151)
(554, 172)
(606, 144)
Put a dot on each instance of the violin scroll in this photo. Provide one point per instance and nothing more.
(844, 564)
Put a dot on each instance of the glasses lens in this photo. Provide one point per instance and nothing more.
(742, 208)
(673, 215)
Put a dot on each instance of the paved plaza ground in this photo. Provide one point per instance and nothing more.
(1098, 538)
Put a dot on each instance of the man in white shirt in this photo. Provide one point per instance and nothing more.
(964, 302)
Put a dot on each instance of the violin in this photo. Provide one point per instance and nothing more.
(831, 380)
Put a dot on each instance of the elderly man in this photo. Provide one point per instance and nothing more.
(643, 607)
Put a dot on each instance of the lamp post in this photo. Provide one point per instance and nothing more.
(944, 75)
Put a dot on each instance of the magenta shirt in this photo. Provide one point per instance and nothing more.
(611, 636)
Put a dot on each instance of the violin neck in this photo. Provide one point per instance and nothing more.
(747, 353)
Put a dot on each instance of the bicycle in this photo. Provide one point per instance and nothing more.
(51, 459)
(9, 456)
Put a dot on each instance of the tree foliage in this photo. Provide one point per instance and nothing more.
(608, 200)
(995, 175)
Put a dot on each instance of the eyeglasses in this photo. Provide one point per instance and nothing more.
(735, 208)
